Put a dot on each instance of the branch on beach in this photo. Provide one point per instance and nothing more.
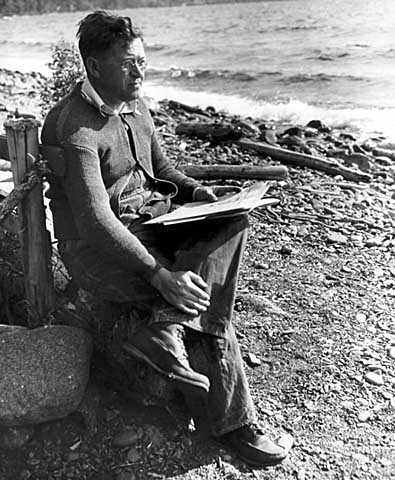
(209, 131)
(330, 166)
(236, 171)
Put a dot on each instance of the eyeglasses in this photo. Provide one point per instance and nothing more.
(133, 63)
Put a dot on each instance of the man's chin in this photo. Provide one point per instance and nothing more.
(133, 94)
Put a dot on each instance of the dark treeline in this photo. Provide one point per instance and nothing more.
(10, 7)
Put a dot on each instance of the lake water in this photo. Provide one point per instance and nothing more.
(290, 60)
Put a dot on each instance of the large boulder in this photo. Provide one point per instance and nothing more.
(44, 373)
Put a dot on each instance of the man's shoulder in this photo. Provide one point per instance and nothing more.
(71, 118)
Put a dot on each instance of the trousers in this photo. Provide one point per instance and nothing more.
(212, 249)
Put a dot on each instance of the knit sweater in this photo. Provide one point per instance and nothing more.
(97, 165)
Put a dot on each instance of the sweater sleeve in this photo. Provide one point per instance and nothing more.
(95, 221)
(164, 170)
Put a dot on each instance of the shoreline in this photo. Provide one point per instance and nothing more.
(21, 90)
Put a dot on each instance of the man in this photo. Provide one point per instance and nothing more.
(182, 279)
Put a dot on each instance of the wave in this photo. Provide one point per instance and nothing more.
(23, 43)
(289, 28)
(389, 53)
(237, 76)
(155, 47)
(319, 77)
(366, 122)
(241, 76)
(327, 57)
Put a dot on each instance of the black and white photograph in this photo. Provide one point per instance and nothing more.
(197, 240)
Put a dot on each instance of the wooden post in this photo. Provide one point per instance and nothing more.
(23, 147)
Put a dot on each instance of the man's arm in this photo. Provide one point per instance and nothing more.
(95, 221)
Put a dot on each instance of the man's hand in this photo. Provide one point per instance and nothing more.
(184, 290)
(211, 194)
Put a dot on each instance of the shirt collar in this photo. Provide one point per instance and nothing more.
(89, 94)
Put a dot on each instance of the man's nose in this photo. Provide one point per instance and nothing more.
(137, 71)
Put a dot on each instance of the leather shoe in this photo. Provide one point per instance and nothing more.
(254, 448)
(161, 346)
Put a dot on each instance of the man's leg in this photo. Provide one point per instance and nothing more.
(229, 403)
(213, 250)
(158, 344)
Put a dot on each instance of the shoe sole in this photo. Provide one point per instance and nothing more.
(171, 376)
(259, 464)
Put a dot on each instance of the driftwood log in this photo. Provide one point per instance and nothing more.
(209, 131)
(236, 171)
(187, 108)
(330, 166)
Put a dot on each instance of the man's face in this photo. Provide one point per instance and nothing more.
(120, 72)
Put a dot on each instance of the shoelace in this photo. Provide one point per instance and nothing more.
(180, 336)
(254, 428)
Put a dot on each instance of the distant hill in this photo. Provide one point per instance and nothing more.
(10, 7)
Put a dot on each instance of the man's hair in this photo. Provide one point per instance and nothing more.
(100, 30)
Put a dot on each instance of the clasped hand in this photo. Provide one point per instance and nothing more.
(184, 290)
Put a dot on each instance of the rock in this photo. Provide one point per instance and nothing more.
(334, 237)
(248, 128)
(286, 441)
(372, 354)
(44, 373)
(292, 141)
(5, 165)
(154, 436)
(360, 317)
(375, 367)
(391, 353)
(126, 475)
(15, 437)
(317, 124)
(73, 456)
(374, 242)
(260, 304)
(268, 136)
(364, 415)
(360, 458)
(386, 395)
(374, 378)
(286, 250)
(293, 131)
(347, 404)
(128, 437)
(362, 161)
(357, 239)
(302, 231)
(347, 136)
(253, 360)
(133, 455)
(384, 161)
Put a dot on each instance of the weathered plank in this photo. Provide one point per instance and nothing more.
(22, 141)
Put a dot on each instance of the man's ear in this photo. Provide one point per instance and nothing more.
(92, 67)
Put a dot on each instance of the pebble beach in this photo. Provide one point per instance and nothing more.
(313, 314)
